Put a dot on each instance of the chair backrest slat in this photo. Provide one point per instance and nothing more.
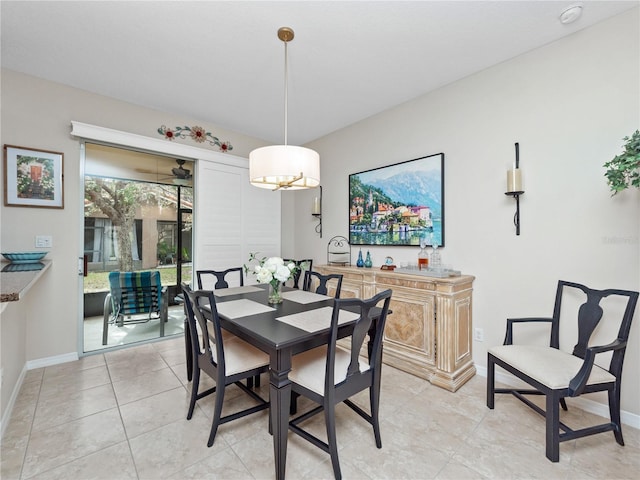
(302, 266)
(324, 282)
(210, 331)
(220, 277)
(371, 320)
(590, 314)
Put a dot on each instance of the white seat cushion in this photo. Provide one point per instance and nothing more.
(549, 366)
(308, 368)
(240, 356)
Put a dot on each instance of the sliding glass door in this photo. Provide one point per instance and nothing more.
(137, 217)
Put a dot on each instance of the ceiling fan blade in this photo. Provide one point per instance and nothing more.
(144, 170)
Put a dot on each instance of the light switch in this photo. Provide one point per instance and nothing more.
(44, 241)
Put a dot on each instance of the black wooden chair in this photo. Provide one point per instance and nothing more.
(331, 374)
(221, 280)
(322, 283)
(557, 374)
(303, 266)
(226, 360)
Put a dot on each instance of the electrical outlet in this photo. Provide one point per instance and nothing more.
(44, 241)
(478, 334)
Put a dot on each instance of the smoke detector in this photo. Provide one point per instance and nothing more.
(570, 14)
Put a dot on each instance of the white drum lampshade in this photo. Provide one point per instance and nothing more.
(284, 167)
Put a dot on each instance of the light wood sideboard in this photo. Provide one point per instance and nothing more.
(429, 333)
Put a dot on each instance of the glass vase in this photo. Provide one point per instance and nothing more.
(368, 263)
(275, 293)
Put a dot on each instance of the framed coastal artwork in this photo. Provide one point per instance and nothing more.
(400, 204)
(33, 178)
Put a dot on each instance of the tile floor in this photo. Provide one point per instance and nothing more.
(122, 415)
(130, 333)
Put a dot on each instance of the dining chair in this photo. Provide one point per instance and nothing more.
(322, 283)
(220, 276)
(330, 374)
(557, 374)
(303, 266)
(226, 360)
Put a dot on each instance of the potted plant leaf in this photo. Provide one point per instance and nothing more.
(624, 170)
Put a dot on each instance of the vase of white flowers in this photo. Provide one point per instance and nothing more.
(273, 271)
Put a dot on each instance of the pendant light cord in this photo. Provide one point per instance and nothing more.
(286, 91)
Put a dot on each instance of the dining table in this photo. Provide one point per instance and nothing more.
(301, 322)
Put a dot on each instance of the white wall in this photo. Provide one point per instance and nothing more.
(38, 114)
(568, 104)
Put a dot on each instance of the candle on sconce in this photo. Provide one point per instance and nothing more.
(514, 180)
(316, 206)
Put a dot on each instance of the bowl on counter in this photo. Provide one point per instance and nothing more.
(24, 257)
(23, 267)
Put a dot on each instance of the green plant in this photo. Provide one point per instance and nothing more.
(624, 170)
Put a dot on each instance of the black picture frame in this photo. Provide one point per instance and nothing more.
(398, 205)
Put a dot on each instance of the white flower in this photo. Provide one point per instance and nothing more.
(272, 269)
(282, 273)
(264, 276)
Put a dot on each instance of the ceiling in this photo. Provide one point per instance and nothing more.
(222, 63)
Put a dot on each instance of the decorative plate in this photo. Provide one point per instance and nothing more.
(24, 257)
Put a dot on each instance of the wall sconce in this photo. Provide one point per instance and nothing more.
(316, 211)
(514, 187)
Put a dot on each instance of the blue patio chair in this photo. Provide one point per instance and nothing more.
(135, 297)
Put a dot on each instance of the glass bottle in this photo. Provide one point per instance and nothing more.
(360, 262)
(423, 255)
(436, 259)
(368, 263)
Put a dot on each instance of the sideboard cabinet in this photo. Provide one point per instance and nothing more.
(429, 333)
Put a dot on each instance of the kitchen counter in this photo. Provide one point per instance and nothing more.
(16, 279)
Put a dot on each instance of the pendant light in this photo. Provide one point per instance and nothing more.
(285, 166)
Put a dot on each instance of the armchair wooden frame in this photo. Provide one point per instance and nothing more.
(558, 374)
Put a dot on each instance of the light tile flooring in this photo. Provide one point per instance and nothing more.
(122, 415)
(132, 332)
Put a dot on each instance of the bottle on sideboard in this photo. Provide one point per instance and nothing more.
(423, 256)
(360, 262)
(368, 263)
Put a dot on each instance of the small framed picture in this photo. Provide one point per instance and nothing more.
(33, 178)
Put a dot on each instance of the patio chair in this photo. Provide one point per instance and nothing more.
(134, 297)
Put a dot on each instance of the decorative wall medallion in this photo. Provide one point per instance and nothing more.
(198, 134)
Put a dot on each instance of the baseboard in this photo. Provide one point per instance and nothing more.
(48, 361)
(31, 365)
(627, 418)
(12, 401)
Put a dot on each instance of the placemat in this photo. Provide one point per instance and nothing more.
(241, 308)
(225, 292)
(300, 296)
(318, 319)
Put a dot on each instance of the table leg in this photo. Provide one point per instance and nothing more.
(280, 398)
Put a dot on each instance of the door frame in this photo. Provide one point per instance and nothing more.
(85, 132)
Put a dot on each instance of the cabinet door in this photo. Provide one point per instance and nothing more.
(410, 329)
